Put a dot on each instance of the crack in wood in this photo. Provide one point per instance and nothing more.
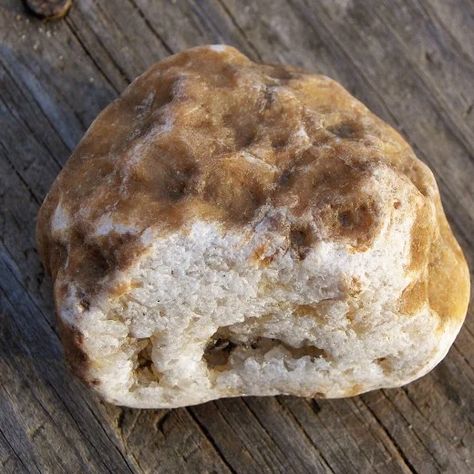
(27, 125)
(151, 27)
(454, 126)
(295, 419)
(94, 62)
(394, 442)
(414, 432)
(210, 439)
(431, 14)
(36, 199)
(16, 455)
(161, 420)
(240, 29)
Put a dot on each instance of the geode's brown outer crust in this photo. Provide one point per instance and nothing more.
(209, 134)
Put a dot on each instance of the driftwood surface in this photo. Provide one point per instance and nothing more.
(411, 62)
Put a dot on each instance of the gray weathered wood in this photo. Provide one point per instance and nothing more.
(412, 62)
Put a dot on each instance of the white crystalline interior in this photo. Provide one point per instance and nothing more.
(205, 318)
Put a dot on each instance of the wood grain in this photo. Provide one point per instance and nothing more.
(411, 62)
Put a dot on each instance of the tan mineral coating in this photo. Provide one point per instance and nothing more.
(215, 106)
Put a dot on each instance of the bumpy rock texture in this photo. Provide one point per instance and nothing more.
(226, 228)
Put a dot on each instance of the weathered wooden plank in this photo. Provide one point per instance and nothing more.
(252, 435)
(456, 17)
(10, 462)
(100, 28)
(422, 444)
(54, 80)
(427, 46)
(38, 404)
(347, 433)
(244, 457)
(165, 441)
(256, 435)
(301, 453)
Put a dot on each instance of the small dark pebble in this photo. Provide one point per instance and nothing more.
(48, 9)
